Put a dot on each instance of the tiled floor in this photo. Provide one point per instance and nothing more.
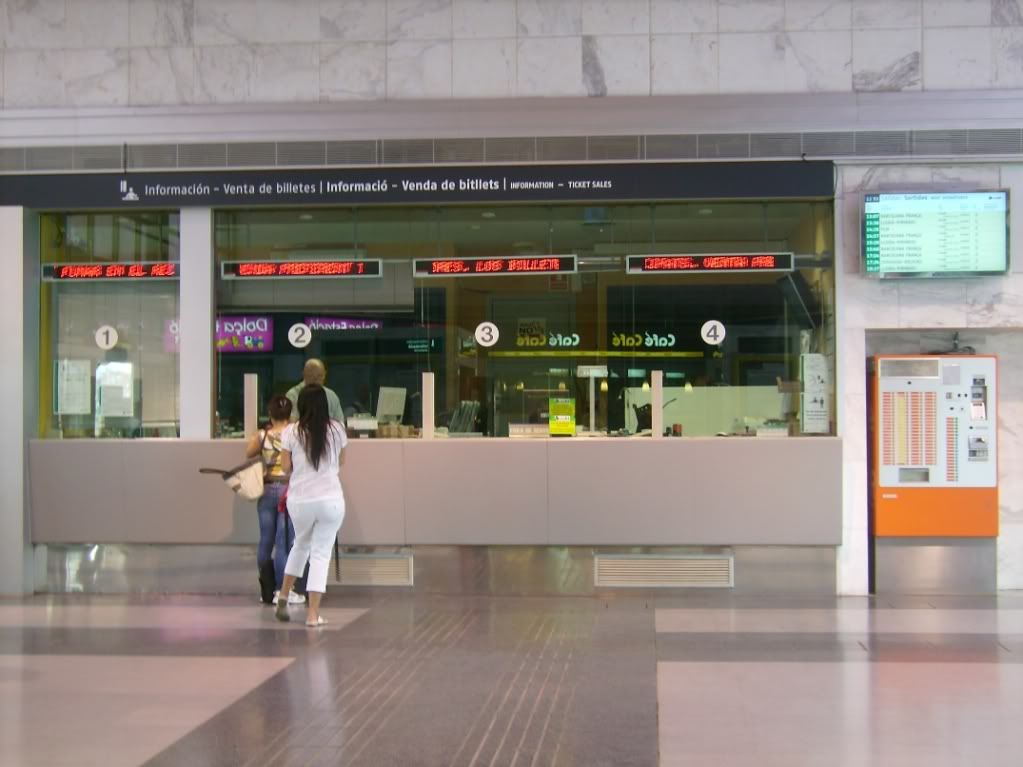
(426, 680)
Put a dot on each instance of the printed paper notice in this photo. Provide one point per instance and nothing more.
(73, 386)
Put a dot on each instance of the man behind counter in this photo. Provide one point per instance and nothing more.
(314, 372)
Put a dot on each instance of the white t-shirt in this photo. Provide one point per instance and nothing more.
(307, 483)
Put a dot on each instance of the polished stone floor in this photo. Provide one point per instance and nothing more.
(397, 679)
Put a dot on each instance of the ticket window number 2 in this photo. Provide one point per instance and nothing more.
(299, 335)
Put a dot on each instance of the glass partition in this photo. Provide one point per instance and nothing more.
(585, 340)
(108, 325)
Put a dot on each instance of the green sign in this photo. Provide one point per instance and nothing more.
(561, 416)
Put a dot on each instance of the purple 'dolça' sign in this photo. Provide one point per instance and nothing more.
(242, 333)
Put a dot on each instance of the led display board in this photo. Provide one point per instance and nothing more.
(479, 267)
(710, 262)
(158, 270)
(290, 270)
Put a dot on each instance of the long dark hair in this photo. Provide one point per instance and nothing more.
(313, 422)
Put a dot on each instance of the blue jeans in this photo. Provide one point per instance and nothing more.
(276, 533)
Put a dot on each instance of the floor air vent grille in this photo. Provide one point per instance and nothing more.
(374, 570)
(663, 571)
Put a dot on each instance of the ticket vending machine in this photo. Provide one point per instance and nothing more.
(935, 452)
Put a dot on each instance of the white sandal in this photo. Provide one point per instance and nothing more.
(318, 623)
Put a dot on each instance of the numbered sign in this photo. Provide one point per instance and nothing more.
(712, 332)
(299, 335)
(487, 334)
(106, 337)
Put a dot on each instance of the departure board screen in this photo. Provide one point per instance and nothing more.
(935, 234)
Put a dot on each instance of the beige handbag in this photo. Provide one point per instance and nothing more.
(246, 479)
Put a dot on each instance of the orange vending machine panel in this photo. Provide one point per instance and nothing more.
(935, 452)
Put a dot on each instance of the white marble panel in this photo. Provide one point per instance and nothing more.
(752, 63)
(418, 19)
(853, 554)
(162, 76)
(852, 365)
(978, 176)
(751, 15)
(33, 78)
(550, 67)
(227, 22)
(956, 13)
(97, 77)
(892, 178)
(289, 21)
(356, 70)
(36, 24)
(854, 420)
(493, 19)
(615, 17)
(886, 60)
(161, 22)
(957, 59)
(545, 18)
(932, 303)
(364, 20)
(419, 69)
(616, 65)
(818, 14)
(819, 62)
(994, 302)
(484, 68)
(285, 73)
(869, 302)
(223, 74)
(1006, 13)
(671, 17)
(98, 24)
(886, 14)
(1007, 57)
(684, 64)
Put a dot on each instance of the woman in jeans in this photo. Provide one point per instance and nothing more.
(275, 530)
(312, 452)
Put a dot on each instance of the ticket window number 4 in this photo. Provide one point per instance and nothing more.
(713, 332)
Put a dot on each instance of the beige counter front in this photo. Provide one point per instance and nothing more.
(691, 491)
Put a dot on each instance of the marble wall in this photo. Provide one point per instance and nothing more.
(987, 312)
(181, 52)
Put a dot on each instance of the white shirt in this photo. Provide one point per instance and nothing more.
(307, 483)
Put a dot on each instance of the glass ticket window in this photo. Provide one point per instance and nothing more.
(374, 334)
(108, 325)
(537, 320)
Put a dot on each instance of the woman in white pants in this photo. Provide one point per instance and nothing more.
(312, 450)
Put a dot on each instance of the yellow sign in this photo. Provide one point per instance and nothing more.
(561, 416)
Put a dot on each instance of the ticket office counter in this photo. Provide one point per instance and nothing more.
(407, 492)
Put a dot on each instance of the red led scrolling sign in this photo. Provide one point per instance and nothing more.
(245, 270)
(481, 267)
(710, 262)
(158, 270)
